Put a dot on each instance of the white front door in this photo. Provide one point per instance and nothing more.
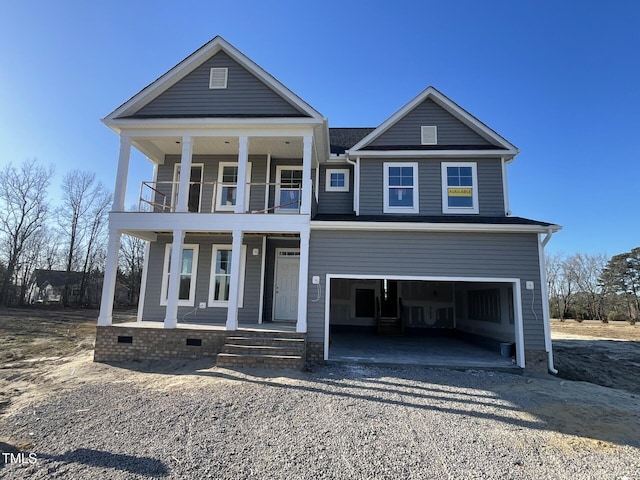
(286, 285)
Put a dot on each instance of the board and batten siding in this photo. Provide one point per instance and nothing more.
(245, 95)
(210, 174)
(407, 131)
(490, 189)
(486, 255)
(335, 202)
(248, 314)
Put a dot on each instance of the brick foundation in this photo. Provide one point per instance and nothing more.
(315, 353)
(535, 361)
(155, 343)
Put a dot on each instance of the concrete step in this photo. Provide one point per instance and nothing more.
(278, 361)
(266, 340)
(263, 349)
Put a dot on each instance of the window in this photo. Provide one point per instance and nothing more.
(218, 78)
(401, 188)
(337, 180)
(188, 271)
(221, 275)
(459, 188)
(288, 189)
(195, 186)
(227, 186)
(429, 135)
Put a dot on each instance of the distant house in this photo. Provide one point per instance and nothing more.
(260, 216)
(48, 288)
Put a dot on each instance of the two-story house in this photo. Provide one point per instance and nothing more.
(294, 234)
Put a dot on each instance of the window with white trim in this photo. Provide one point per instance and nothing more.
(188, 273)
(220, 280)
(288, 189)
(218, 78)
(337, 180)
(194, 200)
(227, 186)
(459, 187)
(400, 187)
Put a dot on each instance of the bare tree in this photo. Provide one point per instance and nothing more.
(585, 269)
(82, 218)
(131, 264)
(23, 212)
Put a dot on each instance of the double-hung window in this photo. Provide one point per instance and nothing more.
(188, 271)
(227, 186)
(220, 282)
(459, 187)
(400, 187)
(288, 189)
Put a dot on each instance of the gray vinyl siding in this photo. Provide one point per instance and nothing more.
(210, 174)
(407, 131)
(335, 202)
(428, 254)
(272, 244)
(248, 314)
(490, 191)
(245, 95)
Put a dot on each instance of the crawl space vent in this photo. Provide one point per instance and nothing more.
(123, 339)
(194, 342)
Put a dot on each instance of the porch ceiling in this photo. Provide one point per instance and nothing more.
(280, 147)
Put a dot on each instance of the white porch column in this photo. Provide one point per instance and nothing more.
(243, 158)
(234, 281)
(303, 282)
(185, 175)
(121, 175)
(173, 289)
(305, 207)
(143, 280)
(109, 281)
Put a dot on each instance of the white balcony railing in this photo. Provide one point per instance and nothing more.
(218, 197)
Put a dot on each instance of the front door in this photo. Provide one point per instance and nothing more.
(286, 285)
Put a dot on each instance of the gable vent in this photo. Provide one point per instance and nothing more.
(218, 78)
(429, 135)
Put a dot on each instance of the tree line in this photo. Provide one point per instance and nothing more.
(583, 286)
(68, 238)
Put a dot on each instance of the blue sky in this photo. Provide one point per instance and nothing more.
(561, 80)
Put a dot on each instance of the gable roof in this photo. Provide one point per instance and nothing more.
(195, 60)
(495, 140)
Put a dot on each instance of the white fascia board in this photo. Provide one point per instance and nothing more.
(196, 59)
(431, 227)
(433, 153)
(231, 131)
(208, 222)
(446, 103)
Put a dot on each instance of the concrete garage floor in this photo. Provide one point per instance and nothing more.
(424, 351)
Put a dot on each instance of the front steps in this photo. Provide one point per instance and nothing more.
(255, 348)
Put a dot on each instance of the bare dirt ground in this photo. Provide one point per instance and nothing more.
(606, 354)
(568, 426)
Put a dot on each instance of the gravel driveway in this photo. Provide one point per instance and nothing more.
(193, 421)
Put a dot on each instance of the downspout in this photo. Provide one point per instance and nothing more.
(545, 300)
(356, 183)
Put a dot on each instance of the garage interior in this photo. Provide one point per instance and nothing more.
(419, 322)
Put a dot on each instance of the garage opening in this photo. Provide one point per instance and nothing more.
(426, 322)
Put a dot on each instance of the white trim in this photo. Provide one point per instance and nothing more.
(174, 189)
(433, 153)
(505, 187)
(429, 131)
(415, 208)
(450, 106)
(356, 193)
(435, 227)
(275, 276)
(276, 198)
(262, 278)
(195, 60)
(474, 188)
(143, 281)
(217, 207)
(327, 182)
(518, 318)
(268, 181)
(190, 302)
(212, 272)
(218, 77)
